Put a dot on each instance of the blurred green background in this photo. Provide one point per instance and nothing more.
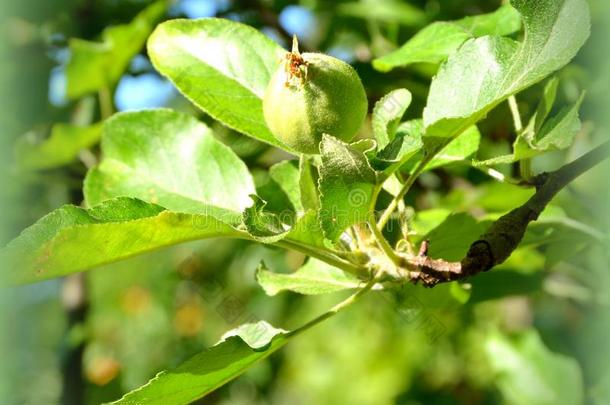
(536, 330)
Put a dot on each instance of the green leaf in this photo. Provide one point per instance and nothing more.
(500, 198)
(438, 40)
(314, 278)
(308, 231)
(387, 11)
(72, 239)
(487, 70)
(276, 199)
(452, 238)
(212, 368)
(222, 66)
(171, 159)
(545, 105)
(407, 143)
(387, 114)
(529, 373)
(458, 150)
(308, 181)
(499, 284)
(555, 134)
(347, 187)
(426, 220)
(94, 65)
(62, 147)
(286, 175)
(269, 227)
(559, 236)
(266, 227)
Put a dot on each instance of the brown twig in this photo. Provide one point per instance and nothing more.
(505, 234)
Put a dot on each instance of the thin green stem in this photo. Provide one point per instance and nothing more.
(385, 217)
(525, 169)
(383, 243)
(106, 105)
(324, 256)
(525, 165)
(336, 309)
(514, 110)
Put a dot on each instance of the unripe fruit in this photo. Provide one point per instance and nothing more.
(312, 94)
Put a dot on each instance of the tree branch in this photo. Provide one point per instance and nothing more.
(505, 234)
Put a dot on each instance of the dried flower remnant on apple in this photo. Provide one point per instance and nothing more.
(312, 94)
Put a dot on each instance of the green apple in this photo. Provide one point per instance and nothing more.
(312, 94)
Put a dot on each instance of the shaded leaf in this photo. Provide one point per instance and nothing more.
(222, 66)
(406, 144)
(273, 194)
(437, 41)
(265, 226)
(314, 278)
(171, 159)
(527, 372)
(452, 238)
(559, 236)
(487, 70)
(286, 175)
(503, 283)
(308, 181)
(555, 134)
(544, 106)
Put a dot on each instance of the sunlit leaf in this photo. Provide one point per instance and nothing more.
(72, 239)
(171, 159)
(437, 41)
(222, 66)
(233, 355)
(387, 114)
(487, 70)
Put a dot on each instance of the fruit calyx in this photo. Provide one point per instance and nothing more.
(295, 66)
